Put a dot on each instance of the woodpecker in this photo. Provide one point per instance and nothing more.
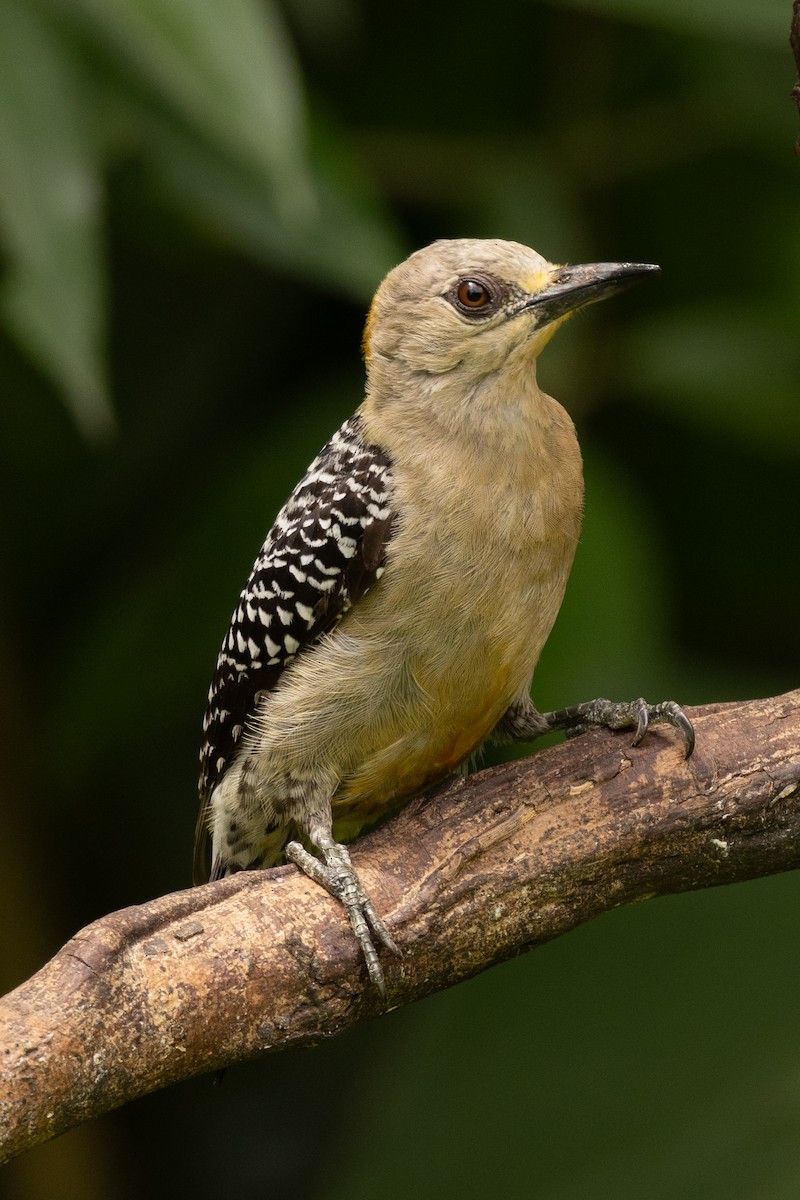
(398, 607)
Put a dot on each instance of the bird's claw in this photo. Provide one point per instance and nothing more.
(667, 712)
(629, 714)
(339, 878)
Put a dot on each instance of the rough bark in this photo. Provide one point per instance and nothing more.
(483, 869)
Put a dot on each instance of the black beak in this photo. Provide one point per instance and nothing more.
(573, 287)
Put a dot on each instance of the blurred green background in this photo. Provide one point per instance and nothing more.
(197, 200)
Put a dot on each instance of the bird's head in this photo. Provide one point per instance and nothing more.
(471, 306)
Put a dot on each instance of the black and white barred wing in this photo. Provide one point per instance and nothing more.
(324, 552)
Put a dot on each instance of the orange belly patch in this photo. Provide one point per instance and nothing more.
(415, 762)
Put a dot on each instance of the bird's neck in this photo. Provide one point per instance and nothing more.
(500, 417)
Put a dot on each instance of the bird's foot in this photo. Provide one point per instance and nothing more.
(628, 714)
(337, 875)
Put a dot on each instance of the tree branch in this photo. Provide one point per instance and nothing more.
(478, 871)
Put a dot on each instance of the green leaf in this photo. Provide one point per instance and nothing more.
(350, 244)
(227, 70)
(53, 295)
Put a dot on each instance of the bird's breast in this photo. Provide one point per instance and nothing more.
(420, 670)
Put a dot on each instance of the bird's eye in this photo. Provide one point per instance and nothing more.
(472, 293)
(476, 294)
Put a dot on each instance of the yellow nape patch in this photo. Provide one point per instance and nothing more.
(366, 337)
(534, 281)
